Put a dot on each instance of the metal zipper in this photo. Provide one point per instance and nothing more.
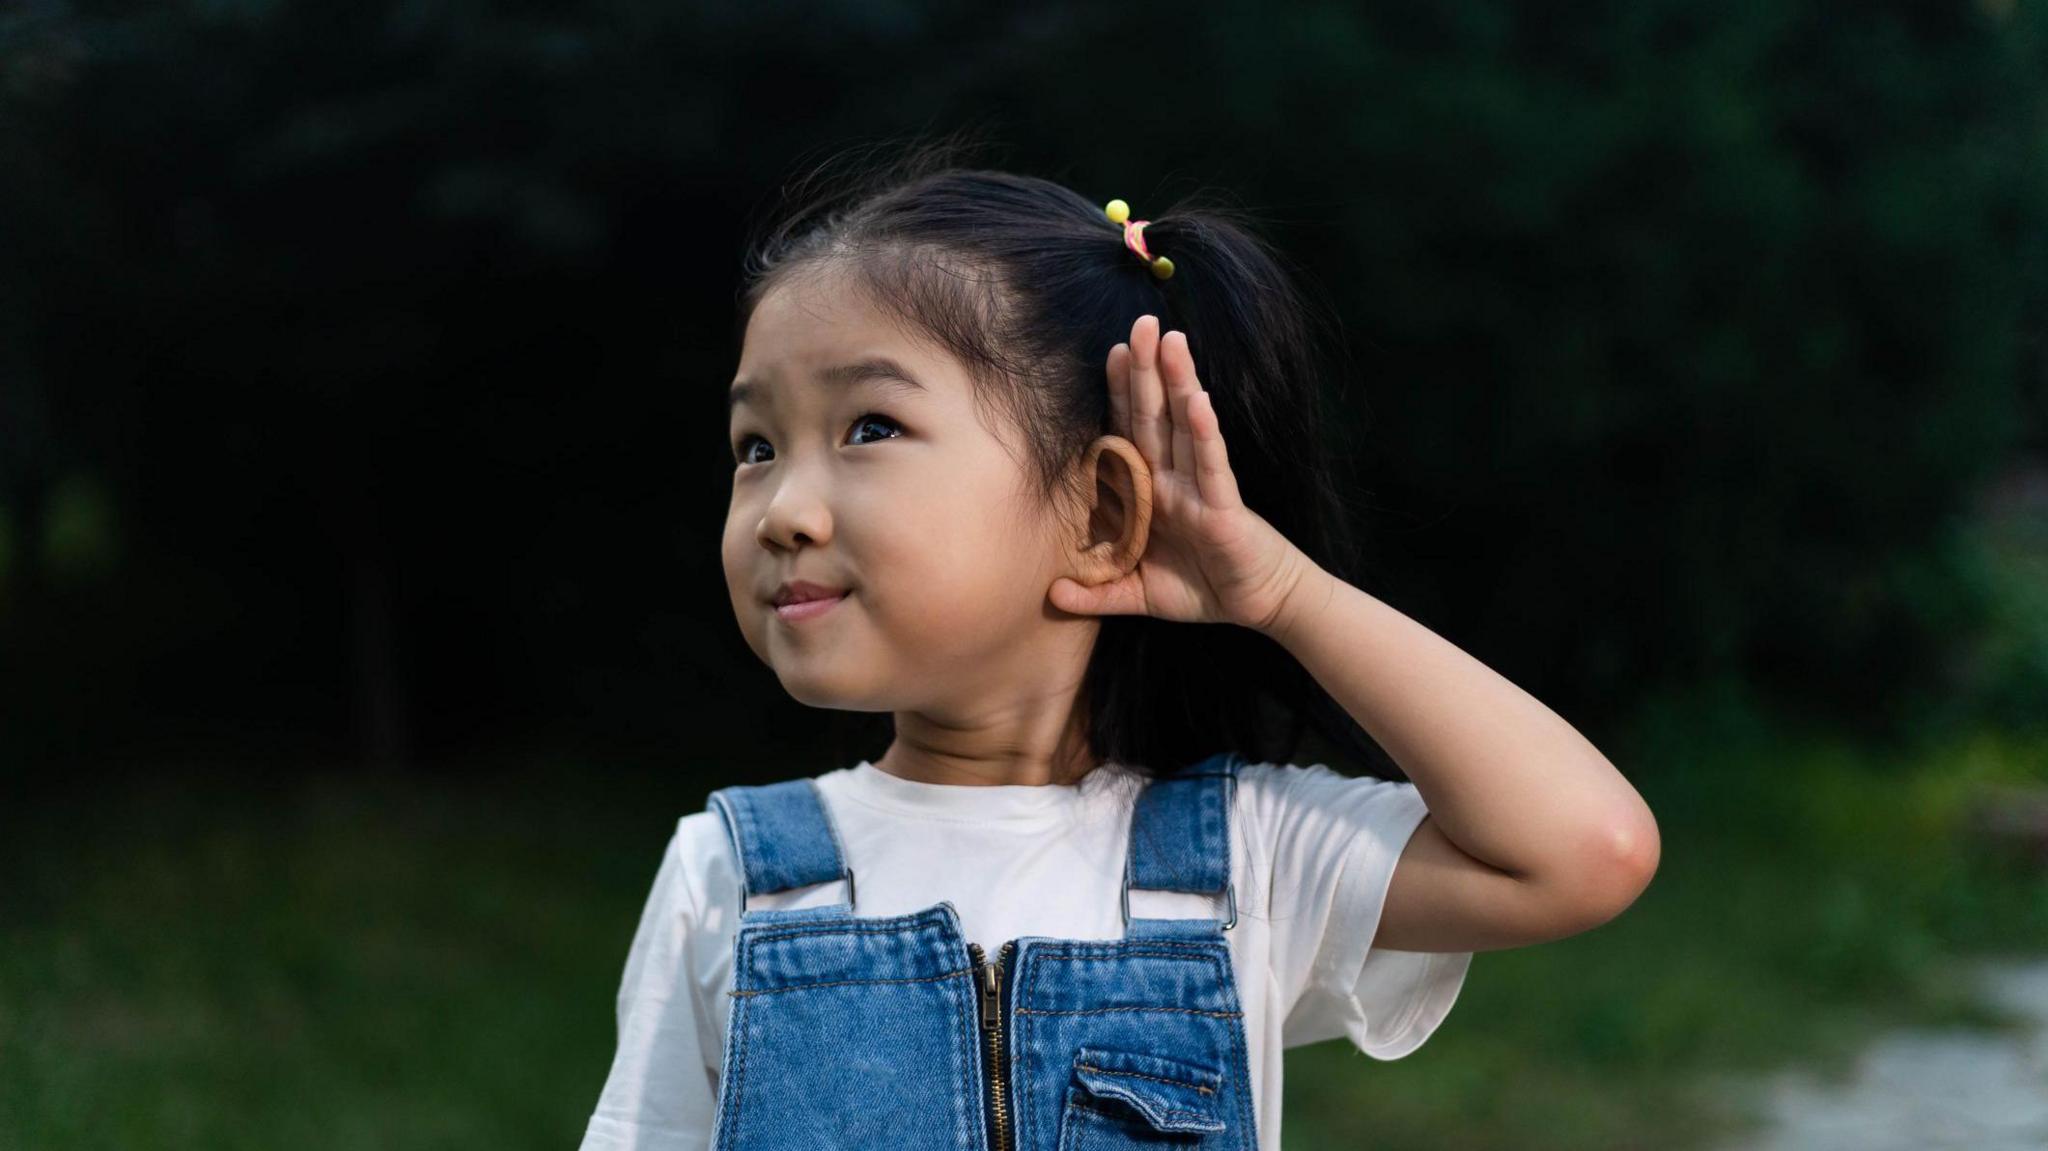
(988, 980)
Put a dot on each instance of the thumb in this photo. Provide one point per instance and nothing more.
(1114, 598)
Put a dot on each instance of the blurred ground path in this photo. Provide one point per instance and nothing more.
(1925, 1089)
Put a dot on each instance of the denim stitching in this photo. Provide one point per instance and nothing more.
(1206, 797)
(1193, 951)
(1076, 1105)
(1104, 1010)
(857, 924)
(952, 1025)
(1142, 1075)
(832, 834)
(728, 809)
(739, 1071)
(1025, 1036)
(736, 1072)
(1069, 1135)
(853, 982)
(1020, 1015)
(1243, 1097)
(1108, 949)
(743, 807)
(1139, 955)
(1162, 1110)
(967, 1049)
(1070, 1132)
(1246, 1122)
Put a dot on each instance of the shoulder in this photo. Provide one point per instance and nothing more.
(1314, 804)
(700, 864)
(835, 785)
(700, 839)
(1281, 785)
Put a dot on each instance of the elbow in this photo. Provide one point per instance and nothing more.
(1615, 866)
(1637, 849)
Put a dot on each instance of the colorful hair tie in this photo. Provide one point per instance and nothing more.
(1134, 237)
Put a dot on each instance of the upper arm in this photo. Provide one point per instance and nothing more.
(1443, 899)
(657, 1092)
(1332, 843)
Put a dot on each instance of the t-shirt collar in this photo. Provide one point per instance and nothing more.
(871, 785)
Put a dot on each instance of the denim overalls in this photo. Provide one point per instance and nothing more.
(892, 1032)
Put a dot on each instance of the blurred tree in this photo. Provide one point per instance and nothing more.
(395, 328)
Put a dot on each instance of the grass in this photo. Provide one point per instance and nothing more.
(215, 960)
(1811, 894)
(223, 959)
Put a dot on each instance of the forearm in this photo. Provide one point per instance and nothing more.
(1506, 779)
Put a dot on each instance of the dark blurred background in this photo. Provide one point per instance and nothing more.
(362, 632)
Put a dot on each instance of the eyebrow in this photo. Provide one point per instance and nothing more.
(871, 370)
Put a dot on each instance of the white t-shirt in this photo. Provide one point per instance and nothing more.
(1312, 853)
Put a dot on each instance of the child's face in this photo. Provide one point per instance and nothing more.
(903, 496)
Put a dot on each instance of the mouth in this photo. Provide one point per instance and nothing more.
(810, 608)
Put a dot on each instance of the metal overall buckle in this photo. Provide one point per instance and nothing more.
(1229, 889)
(847, 875)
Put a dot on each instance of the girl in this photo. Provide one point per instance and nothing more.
(1082, 901)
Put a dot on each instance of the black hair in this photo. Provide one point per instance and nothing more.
(1029, 284)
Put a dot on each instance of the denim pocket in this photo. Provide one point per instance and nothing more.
(1126, 1099)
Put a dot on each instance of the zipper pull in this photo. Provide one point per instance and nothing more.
(991, 994)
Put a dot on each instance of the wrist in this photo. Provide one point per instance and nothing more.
(1308, 589)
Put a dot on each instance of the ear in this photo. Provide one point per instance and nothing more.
(1114, 518)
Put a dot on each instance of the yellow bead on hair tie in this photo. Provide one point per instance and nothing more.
(1134, 237)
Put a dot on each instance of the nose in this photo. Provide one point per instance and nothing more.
(796, 514)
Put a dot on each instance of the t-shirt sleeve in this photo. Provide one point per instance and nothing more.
(1334, 842)
(659, 1094)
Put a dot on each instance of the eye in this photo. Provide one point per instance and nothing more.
(876, 418)
(740, 451)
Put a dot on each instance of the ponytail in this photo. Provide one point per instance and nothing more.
(1028, 284)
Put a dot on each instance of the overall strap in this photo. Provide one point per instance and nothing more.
(1180, 835)
(782, 836)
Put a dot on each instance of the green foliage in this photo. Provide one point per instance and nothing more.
(80, 538)
(202, 959)
(1986, 587)
(1686, 338)
(216, 959)
(1681, 331)
(1813, 891)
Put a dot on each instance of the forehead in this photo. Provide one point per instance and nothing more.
(820, 328)
(822, 302)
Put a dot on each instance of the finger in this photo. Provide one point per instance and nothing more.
(1149, 417)
(1177, 371)
(1213, 477)
(1119, 370)
(1183, 434)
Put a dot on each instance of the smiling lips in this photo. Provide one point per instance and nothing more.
(802, 600)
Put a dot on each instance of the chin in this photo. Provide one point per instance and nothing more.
(815, 686)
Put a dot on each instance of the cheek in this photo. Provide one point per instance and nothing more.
(734, 556)
(956, 576)
(733, 559)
